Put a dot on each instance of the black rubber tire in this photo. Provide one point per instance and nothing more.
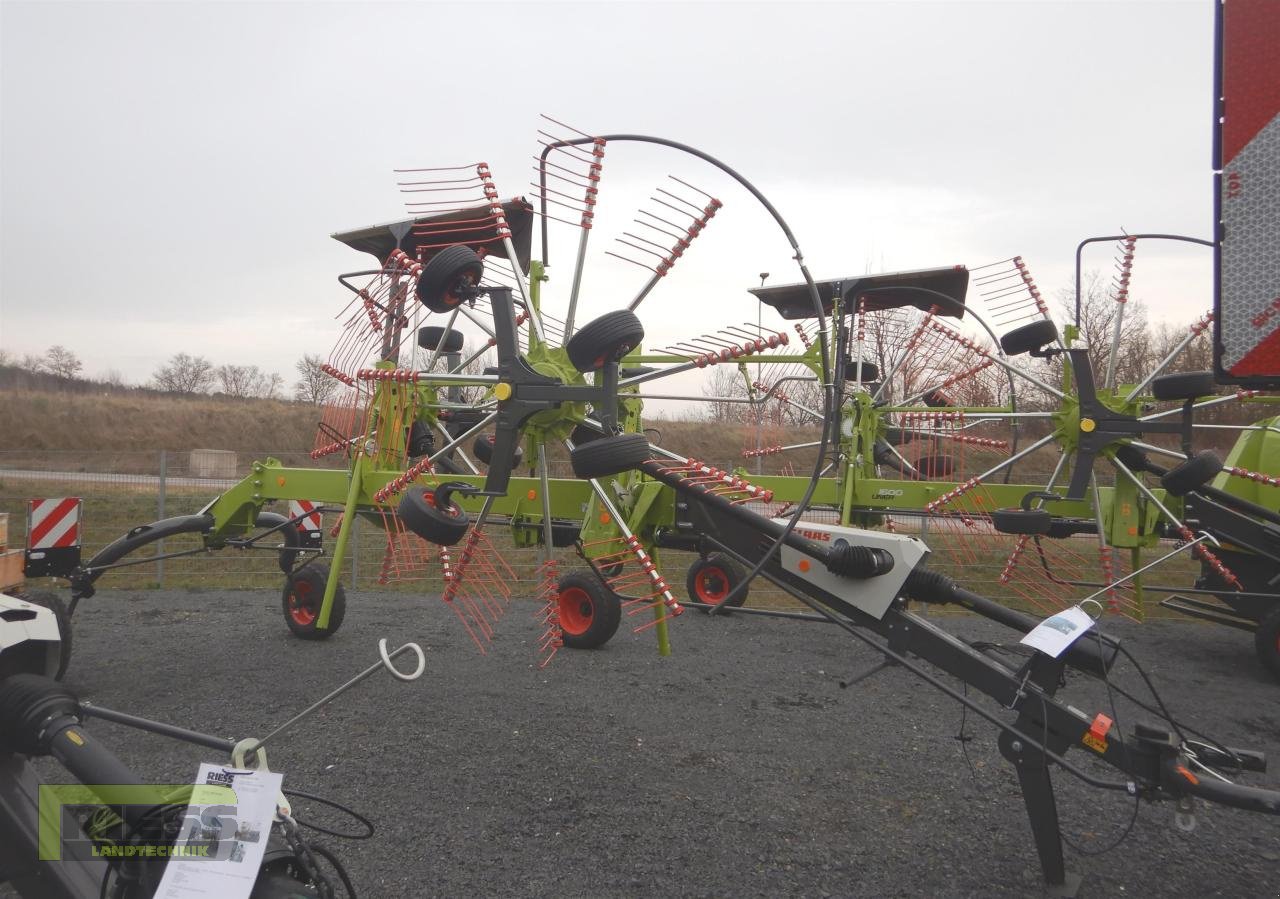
(1266, 640)
(1132, 458)
(453, 267)
(711, 579)
(870, 371)
(449, 340)
(897, 436)
(589, 612)
(1031, 336)
(418, 511)
(1192, 474)
(605, 339)
(610, 571)
(50, 600)
(419, 441)
(609, 455)
(301, 600)
(583, 434)
(482, 449)
(281, 885)
(1022, 521)
(1184, 385)
(935, 466)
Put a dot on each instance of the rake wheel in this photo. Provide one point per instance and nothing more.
(302, 598)
(446, 278)
(711, 579)
(589, 612)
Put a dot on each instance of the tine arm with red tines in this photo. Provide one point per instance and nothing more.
(548, 611)
(1010, 293)
(665, 241)
(660, 598)
(908, 349)
(1120, 296)
(1207, 555)
(724, 346)
(961, 489)
(1198, 327)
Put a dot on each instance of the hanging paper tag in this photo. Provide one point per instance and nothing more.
(1053, 635)
(220, 847)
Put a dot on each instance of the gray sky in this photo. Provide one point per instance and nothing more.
(171, 171)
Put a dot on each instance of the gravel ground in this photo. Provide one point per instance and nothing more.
(738, 766)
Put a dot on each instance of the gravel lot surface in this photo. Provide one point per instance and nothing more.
(738, 766)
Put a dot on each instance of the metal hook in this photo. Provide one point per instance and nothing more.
(1080, 605)
(247, 746)
(408, 647)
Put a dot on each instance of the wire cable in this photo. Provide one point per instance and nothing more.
(336, 805)
(830, 412)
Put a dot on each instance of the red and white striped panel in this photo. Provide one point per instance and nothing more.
(1248, 298)
(53, 523)
(309, 518)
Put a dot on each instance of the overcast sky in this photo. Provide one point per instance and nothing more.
(171, 172)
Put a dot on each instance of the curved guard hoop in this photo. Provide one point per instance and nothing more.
(391, 668)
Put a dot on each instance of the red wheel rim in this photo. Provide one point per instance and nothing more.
(302, 603)
(576, 611)
(453, 510)
(711, 585)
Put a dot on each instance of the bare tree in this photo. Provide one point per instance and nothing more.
(313, 385)
(60, 361)
(474, 393)
(1195, 356)
(1098, 313)
(728, 382)
(185, 374)
(248, 381)
(7, 358)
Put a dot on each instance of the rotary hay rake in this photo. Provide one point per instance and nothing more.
(942, 388)
(403, 429)
(931, 418)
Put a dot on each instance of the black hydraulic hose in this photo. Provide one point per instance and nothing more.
(831, 414)
(39, 716)
(932, 586)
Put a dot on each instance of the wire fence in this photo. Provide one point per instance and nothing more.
(120, 491)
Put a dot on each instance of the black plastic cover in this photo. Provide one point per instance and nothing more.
(473, 229)
(793, 301)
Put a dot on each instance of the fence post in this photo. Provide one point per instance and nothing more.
(164, 470)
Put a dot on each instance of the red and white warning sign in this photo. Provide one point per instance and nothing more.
(53, 523)
(53, 537)
(307, 514)
(310, 521)
(1247, 178)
